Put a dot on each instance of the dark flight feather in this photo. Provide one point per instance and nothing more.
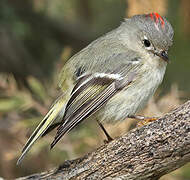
(90, 94)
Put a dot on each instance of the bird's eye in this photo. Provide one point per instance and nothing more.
(146, 43)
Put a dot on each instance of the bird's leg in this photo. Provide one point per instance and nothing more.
(143, 120)
(109, 138)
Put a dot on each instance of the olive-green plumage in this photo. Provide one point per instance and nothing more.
(112, 78)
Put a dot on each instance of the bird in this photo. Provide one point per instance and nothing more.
(111, 79)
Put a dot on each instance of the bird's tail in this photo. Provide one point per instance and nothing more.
(50, 117)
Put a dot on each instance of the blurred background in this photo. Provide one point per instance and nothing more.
(36, 38)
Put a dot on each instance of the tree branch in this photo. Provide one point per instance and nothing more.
(146, 152)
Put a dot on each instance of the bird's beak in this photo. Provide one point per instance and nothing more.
(163, 55)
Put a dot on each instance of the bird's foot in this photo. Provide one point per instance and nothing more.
(143, 120)
(109, 139)
(146, 120)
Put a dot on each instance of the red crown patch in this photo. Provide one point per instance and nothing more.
(156, 18)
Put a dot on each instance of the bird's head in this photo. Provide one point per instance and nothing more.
(150, 33)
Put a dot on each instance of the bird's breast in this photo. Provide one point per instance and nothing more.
(133, 97)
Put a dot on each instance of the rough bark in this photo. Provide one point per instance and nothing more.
(146, 152)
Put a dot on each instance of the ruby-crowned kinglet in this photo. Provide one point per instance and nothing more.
(112, 78)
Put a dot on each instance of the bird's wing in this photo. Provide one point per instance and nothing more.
(91, 92)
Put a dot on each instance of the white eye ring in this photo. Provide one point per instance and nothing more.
(147, 43)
